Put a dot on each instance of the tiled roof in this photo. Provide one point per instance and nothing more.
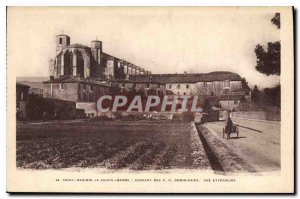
(32, 84)
(22, 85)
(72, 79)
(121, 80)
(186, 78)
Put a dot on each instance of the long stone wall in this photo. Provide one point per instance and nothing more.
(261, 115)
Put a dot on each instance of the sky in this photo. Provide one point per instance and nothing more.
(162, 40)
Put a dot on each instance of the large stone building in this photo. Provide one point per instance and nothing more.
(206, 84)
(90, 62)
(82, 74)
(229, 88)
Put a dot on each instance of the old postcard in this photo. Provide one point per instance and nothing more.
(150, 99)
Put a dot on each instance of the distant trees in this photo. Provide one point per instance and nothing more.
(255, 95)
(267, 96)
(206, 106)
(274, 95)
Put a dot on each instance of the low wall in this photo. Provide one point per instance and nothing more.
(88, 107)
(48, 108)
(260, 115)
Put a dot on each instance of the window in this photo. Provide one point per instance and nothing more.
(60, 40)
(178, 86)
(227, 84)
(148, 85)
(187, 86)
(170, 86)
(61, 86)
(22, 96)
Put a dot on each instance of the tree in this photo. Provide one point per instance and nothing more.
(255, 95)
(268, 61)
(206, 106)
(276, 20)
(274, 95)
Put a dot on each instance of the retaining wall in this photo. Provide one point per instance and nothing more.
(261, 115)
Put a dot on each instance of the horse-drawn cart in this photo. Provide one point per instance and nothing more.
(228, 129)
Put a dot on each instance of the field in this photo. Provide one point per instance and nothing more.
(137, 145)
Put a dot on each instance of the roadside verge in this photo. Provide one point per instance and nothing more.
(221, 157)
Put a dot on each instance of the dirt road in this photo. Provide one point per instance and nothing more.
(258, 145)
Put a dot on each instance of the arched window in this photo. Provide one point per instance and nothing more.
(80, 65)
(67, 63)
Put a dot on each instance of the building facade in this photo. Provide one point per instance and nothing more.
(203, 84)
(89, 62)
(82, 74)
(22, 98)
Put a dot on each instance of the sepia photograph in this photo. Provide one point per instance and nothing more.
(150, 99)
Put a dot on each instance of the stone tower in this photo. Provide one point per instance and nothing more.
(61, 42)
(96, 48)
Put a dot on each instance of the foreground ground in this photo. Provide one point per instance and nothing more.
(138, 145)
(256, 150)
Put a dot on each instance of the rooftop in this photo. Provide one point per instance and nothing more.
(187, 78)
(77, 46)
(22, 85)
(72, 79)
